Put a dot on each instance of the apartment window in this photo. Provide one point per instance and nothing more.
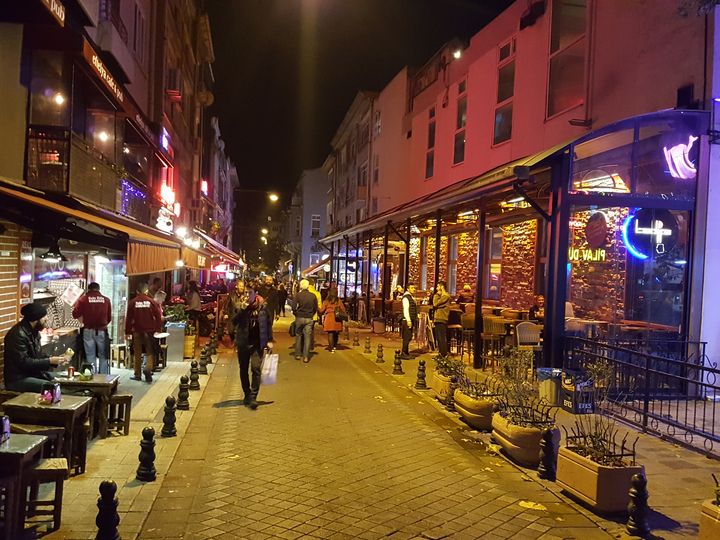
(505, 92)
(430, 154)
(452, 264)
(363, 175)
(377, 124)
(566, 80)
(315, 225)
(374, 205)
(139, 35)
(376, 169)
(298, 226)
(314, 258)
(460, 123)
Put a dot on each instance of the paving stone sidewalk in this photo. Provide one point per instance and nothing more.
(338, 449)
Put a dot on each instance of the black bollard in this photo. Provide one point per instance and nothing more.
(397, 365)
(548, 457)
(212, 350)
(168, 429)
(420, 384)
(202, 365)
(450, 398)
(194, 377)
(638, 508)
(183, 394)
(146, 470)
(367, 350)
(107, 519)
(379, 359)
(356, 339)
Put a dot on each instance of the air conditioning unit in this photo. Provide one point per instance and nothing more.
(173, 84)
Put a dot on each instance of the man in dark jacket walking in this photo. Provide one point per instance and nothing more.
(143, 319)
(305, 307)
(250, 323)
(270, 294)
(25, 364)
(94, 310)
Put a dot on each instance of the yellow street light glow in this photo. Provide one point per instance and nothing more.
(274, 197)
(264, 231)
(103, 136)
(457, 54)
(59, 99)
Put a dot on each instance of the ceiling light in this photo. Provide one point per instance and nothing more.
(181, 231)
(457, 54)
(102, 256)
(196, 244)
(103, 136)
(53, 254)
(59, 99)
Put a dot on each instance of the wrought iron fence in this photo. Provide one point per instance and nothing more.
(668, 388)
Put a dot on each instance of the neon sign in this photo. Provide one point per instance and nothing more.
(678, 160)
(586, 255)
(648, 231)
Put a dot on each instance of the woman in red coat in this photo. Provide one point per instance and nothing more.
(330, 324)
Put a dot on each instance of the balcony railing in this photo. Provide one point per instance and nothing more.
(110, 11)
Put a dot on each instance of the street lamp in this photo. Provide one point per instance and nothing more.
(264, 231)
(274, 197)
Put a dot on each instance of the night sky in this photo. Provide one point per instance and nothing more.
(287, 70)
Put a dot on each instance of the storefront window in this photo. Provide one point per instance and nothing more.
(49, 95)
(493, 272)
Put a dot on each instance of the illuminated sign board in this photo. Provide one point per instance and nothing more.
(57, 10)
(649, 232)
(586, 255)
(678, 160)
(103, 72)
(165, 220)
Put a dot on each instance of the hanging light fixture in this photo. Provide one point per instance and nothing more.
(102, 256)
(53, 254)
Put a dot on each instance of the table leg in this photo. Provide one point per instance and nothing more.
(103, 410)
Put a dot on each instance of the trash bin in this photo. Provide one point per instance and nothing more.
(578, 392)
(378, 325)
(550, 382)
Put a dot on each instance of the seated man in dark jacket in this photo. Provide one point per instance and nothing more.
(25, 364)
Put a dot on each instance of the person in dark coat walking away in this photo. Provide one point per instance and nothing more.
(305, 308)
(143, 319)
(250, 322)
(331, 325)
(282, 298)
(95, 312)
(26, 366)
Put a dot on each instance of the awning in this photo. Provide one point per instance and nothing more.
(150, 259)
(216, 248)
(314, 268)
(196, 258)
(458, 193)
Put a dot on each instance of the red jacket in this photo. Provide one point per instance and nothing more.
(94, 309)
(143, 315)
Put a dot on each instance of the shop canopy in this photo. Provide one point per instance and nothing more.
(464, 191)
(314, 268)
(148, 250)
(218, 250)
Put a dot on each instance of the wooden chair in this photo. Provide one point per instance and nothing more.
(48, 470)
(8, 510)
(468, 333)
(455, 331)
(493, 337)
(119, 413)
(527, 335)
(55, 443)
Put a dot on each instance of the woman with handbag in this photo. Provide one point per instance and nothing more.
(335, 315)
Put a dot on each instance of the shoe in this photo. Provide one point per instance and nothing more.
(247, 400)
(298, 358)
(332, 350)
(306, 360)
(136, 378)
(405, 357)
(253, 404)
(148, 375)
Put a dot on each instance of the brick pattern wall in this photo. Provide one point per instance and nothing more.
(597, 289)
(415, 261)
(466, 264)
(467, 260)
(10, 242)
(518, 265)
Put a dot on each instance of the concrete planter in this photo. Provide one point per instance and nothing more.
(440, 384)
(521, 444)
(709, 521)
(477, 413)
(604, 489)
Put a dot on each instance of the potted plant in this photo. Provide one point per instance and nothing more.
(710, 517)
(475, 402)
(596, 465)
(445, 369)
(518, 425)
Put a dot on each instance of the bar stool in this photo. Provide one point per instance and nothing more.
(55, 437)
(8, 512)
(118, 355)
(119, 413)
(49, 470)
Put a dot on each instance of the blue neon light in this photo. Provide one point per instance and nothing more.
(626, 240)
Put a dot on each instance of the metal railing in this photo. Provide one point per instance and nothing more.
(668, 388)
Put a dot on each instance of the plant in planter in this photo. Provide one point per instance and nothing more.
(476, 402)
(710, 517)
(446, 369)
(596, 464)
(522, 415)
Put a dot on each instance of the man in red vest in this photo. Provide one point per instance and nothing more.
(143, 319)
(95, 312)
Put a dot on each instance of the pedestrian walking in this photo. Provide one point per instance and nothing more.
(249, 321)
(441, 304)
(270, 294)
(143, 319)
(410, 318)
(305, 308)
(282, 298)
(95, 312)
(25, 365)
(333, 309)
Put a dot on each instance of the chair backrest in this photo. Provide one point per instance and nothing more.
(470, 308)
(468, 321)
(527, 333)
(494, 325)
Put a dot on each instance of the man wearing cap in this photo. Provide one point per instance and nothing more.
(26, 365)
(94, 310)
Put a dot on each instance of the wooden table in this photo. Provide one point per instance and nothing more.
(16, 456)
(71, 413)
(102, 387)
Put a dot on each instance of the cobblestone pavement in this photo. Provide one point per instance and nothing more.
(337, 449)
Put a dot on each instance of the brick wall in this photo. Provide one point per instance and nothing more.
(518, 265)
(9, 274)
(597, 288)
(415, 260)
(467, 259)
